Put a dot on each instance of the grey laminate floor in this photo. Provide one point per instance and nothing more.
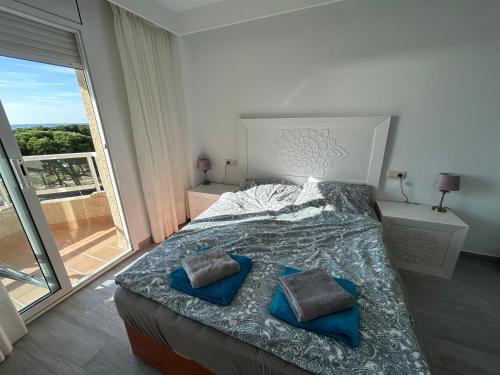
(81, 335)
(460, 317)
(460, 321)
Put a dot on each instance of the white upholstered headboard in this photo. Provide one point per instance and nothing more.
(349, 149)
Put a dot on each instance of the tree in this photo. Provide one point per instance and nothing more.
(41, 140)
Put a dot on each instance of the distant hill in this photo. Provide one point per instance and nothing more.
(19, 126)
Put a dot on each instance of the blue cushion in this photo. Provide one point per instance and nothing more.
(343, 325)
(221, 292)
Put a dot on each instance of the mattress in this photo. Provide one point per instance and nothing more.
(214, 350)
(265, 225)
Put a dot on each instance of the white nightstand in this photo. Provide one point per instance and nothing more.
(203, 196)
(420, 239)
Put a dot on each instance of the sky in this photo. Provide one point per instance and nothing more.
(36, 93)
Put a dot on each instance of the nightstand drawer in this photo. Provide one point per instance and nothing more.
(203, 195)
(418, 245)
(197, 205)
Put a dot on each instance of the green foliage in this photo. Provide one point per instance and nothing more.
(41, 140)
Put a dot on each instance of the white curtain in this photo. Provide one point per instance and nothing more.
(12, 327)
(149, 77)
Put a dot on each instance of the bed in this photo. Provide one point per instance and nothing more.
(278, 223)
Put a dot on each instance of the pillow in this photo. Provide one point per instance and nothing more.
(252, 182)
(271, 193)
(341, 197)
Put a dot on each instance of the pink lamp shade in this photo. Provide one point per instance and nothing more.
(447, 182)
(204, 165)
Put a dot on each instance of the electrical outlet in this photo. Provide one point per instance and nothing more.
(231, 162)
(396, 174)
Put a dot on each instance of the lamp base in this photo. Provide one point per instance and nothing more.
(439, 209)
(206, 181)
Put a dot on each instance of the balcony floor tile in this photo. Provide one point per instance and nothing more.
(84, 249)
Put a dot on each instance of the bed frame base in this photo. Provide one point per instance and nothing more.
(162, 356)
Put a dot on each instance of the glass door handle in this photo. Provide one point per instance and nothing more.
(21, 174)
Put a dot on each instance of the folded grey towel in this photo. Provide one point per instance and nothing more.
(207, 268)
(314, 293)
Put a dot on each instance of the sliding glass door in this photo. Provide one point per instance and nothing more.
(58, 159)
(30, 266)
(60, 213)
(53, 123)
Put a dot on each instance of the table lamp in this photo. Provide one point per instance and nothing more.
(445, 182)
(204, 165)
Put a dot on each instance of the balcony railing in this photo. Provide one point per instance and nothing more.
(59, 175)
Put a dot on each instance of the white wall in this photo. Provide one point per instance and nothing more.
(434, 65)
(230, 12)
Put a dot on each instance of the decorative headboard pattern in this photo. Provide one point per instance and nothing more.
(349, 149)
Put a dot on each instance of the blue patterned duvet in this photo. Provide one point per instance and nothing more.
(348, 245)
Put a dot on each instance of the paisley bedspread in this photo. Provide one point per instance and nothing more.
(346, 244)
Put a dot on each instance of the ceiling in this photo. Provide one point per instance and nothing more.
(180, 5)
(182, 17)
